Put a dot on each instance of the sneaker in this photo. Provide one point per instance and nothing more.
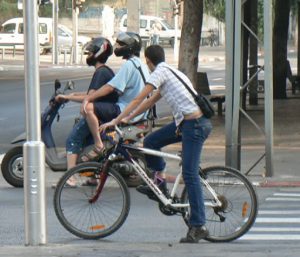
(162, 185)
(194, 234)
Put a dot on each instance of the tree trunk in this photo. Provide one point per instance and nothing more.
(190, 38)
(280, 38)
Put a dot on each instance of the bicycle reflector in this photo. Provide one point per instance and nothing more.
(97, 227)
(245, 209)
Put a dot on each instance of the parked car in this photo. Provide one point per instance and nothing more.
(167, 32)
(12, 32)
(65, 38)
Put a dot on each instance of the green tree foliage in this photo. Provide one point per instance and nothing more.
(8, 9)
(215, 8)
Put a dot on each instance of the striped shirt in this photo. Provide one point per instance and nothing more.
(173, 91)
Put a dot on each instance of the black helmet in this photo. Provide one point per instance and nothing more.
(130, 43)
(99, 49)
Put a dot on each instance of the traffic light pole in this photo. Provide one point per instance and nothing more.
(33, 149)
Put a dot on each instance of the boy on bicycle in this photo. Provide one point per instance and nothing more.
(189, 126)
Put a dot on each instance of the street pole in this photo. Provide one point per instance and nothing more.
(34, 149)
(55, 39)
(269, 112)
(75, 12)
(176, 12)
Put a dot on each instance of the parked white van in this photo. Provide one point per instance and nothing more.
(12, 32)
(167, 32)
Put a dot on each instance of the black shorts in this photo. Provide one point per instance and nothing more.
(105, 111)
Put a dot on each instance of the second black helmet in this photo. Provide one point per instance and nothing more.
(130, 43)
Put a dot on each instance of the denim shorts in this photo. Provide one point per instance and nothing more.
(79, 137)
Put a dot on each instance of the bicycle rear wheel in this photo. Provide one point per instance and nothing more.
(82, 211)
(239, 206)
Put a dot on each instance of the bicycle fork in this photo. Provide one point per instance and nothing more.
(103, 177)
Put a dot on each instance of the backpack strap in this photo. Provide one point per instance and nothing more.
(152, 115)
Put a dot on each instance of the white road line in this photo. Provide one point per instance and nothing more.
(1, 157)
(277, 220)
(269, 237)
(274, 229)
(275, 212)
(287, 199)
(287, 194)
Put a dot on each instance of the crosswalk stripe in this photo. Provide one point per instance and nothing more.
(287, 194)
(277, 220)
(281, 223)
(278, 212)
(286, 199)
(274, 229)
(270, 237)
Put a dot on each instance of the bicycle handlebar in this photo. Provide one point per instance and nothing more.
(119, 131)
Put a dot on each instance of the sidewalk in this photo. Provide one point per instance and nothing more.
(16, 63)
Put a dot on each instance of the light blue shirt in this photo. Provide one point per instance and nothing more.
(129, 82)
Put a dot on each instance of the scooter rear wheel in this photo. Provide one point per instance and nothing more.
(12, 167)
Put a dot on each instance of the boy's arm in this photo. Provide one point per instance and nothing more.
(103, 91)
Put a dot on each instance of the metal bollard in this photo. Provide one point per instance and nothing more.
(3, 53)
(71, 55)
(65, 56)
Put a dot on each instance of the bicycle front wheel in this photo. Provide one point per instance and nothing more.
(97, 206)
(239, 205)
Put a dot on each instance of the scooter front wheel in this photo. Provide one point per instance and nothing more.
(12, 167)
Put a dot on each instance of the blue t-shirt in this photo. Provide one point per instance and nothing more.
(101, 76)
(129, 81)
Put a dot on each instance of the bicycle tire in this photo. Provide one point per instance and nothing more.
(91, 220)
(239, 204)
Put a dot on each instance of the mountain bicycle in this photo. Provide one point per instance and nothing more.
(97, 211)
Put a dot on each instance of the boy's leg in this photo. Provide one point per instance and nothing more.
(194, 133)
(97, 113)
(157, 140)
(75, 141)
(93, 124)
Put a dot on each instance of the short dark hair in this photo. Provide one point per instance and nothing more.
(155, 53)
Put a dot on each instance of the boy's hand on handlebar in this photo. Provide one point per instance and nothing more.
(125, 120)
(61, 98)
(104, 126)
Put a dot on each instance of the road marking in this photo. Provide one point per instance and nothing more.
(277, 220)
(267, 212)
(287, 194)
(1, 157)
(270, 237)
(274, 229)
(285, 199)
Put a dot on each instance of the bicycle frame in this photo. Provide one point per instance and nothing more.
(124, 150)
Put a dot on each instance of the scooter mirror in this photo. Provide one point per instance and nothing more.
(70, 85)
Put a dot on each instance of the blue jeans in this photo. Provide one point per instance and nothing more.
(79, 137)
(193, 134)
